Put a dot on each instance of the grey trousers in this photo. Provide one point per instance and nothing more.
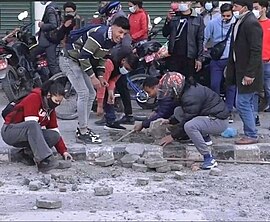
(29, 133)
(201, 126)
(83, 87)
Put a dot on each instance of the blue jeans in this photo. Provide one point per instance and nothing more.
(266, 69)
(108, 110)
(217, 68)
(245, 107)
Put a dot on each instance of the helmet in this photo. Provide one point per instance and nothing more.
(171, 85)
(148, 48)
(110, 8)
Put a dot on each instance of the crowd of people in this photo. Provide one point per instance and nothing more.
(234, 37)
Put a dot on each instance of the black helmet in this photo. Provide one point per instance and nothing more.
(148, 48)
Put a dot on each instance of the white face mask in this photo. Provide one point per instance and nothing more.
(256, 13)
(236, 14)
(198, 10)
(132, 9)
(183, 7)
(208, 6)
(123, 70)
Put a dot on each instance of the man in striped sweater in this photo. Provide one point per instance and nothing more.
(83, 62)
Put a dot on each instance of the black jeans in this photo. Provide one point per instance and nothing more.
(181, 64)
(121, 87)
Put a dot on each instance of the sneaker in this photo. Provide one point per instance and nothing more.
(114, 126)
(209, 162)
(48, 164)
(257, 120)
(231, 119)
(89, 131)
(101, 122)
(128, 120)
(207, 140)
(87, 138)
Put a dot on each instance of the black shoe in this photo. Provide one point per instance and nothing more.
(128, 120)
(89, 131)
(114, 126)
(257, 120)
(16, 155)
(101, 122)
(48, 164)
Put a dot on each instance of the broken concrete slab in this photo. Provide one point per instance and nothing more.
(176, 167)
(156, 130)
(103, 191)
(141, 160)
(158, 178)
(62, 189)
(105, 160)
(139, 167)
(48, 204)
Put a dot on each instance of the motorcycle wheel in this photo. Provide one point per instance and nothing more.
(12, 86)
(138, 81)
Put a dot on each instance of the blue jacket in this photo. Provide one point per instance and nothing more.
(164, 110)
(216, 31)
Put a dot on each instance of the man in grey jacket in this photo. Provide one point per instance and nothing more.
(51, 20)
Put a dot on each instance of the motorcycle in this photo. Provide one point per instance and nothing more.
(17, 73)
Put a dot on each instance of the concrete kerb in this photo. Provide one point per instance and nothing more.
(223, 151)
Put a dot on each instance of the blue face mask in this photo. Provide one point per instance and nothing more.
(183, 7)
(123, 70)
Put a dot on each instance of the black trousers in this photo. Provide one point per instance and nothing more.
(121, 87)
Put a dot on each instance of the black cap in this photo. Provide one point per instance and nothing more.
(247, 3)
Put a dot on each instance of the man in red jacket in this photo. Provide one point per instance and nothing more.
(33, 124)
(138, 20)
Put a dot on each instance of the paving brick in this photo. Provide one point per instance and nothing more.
(179, 175)
(155, 163)
(48, 204)
(247, 152)
(78, 153)
(103, 191)
(223, 151)
(128, 160)
(163, 169)
(192, 153)
(105, 160)
(215, 172)
(158, 177)
(139, 167)
(34, 185)
(62, 189)
(156, 130)
(141, 160)
(142, 181)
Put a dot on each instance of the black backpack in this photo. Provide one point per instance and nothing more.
(10, 107)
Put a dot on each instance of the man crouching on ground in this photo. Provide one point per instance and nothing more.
(202, 112)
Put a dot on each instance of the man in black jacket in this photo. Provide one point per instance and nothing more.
(245, 66)
(185, 29)
(202, 112)
(51, 20)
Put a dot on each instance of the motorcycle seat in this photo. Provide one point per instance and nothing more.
(41, 55)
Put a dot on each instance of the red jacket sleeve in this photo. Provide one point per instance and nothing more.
(109, 67)
(144, 27)
(60, 145)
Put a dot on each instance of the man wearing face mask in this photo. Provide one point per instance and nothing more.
(259, 9)
(211, 11)
(215, 32)
(117, 65)
(245, 66)
(184, 29)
